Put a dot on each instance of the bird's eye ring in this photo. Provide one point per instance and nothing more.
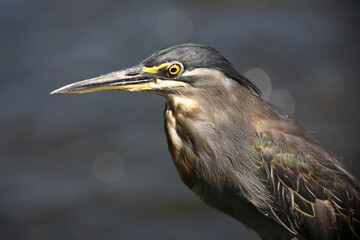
(174, 69)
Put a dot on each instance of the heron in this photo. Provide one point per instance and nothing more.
(238, 152)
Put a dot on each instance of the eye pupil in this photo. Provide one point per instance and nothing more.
(173, 69)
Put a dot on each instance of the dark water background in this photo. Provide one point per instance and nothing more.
(96, 166)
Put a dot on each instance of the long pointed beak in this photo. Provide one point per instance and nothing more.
(132, 79)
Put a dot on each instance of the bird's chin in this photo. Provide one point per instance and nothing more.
(165, 87)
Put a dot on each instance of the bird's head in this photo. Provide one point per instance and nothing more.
(178, 69)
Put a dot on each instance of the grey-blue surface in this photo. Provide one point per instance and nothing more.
(96, 166)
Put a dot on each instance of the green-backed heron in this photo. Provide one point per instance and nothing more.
(239, 153)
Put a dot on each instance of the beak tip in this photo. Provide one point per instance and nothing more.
(55, 92)
(58, 91)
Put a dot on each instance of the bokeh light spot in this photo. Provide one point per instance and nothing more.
(261, 79)
(174, 27)
(284, 100)
(109, 167)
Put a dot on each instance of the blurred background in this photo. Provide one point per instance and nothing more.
(96, 166)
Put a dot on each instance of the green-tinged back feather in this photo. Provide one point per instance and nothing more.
(309, 198)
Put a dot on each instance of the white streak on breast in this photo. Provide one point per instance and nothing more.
(183, 104)
(182, 100)
(171, 129)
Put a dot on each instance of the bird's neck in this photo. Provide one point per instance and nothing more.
(178, 111)
(202, 127)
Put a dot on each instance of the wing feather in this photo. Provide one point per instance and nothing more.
(310, 199)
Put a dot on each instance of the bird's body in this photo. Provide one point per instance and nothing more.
(239, 153)
(222, 184)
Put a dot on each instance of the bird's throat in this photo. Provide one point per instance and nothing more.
(183, 105)
(180, 109)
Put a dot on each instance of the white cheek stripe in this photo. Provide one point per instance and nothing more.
(204, 72)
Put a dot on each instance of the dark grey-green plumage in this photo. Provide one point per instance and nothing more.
(239, 153)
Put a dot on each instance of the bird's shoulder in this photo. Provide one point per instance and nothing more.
(310, 187)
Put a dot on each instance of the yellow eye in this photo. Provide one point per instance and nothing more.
(174, 69)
